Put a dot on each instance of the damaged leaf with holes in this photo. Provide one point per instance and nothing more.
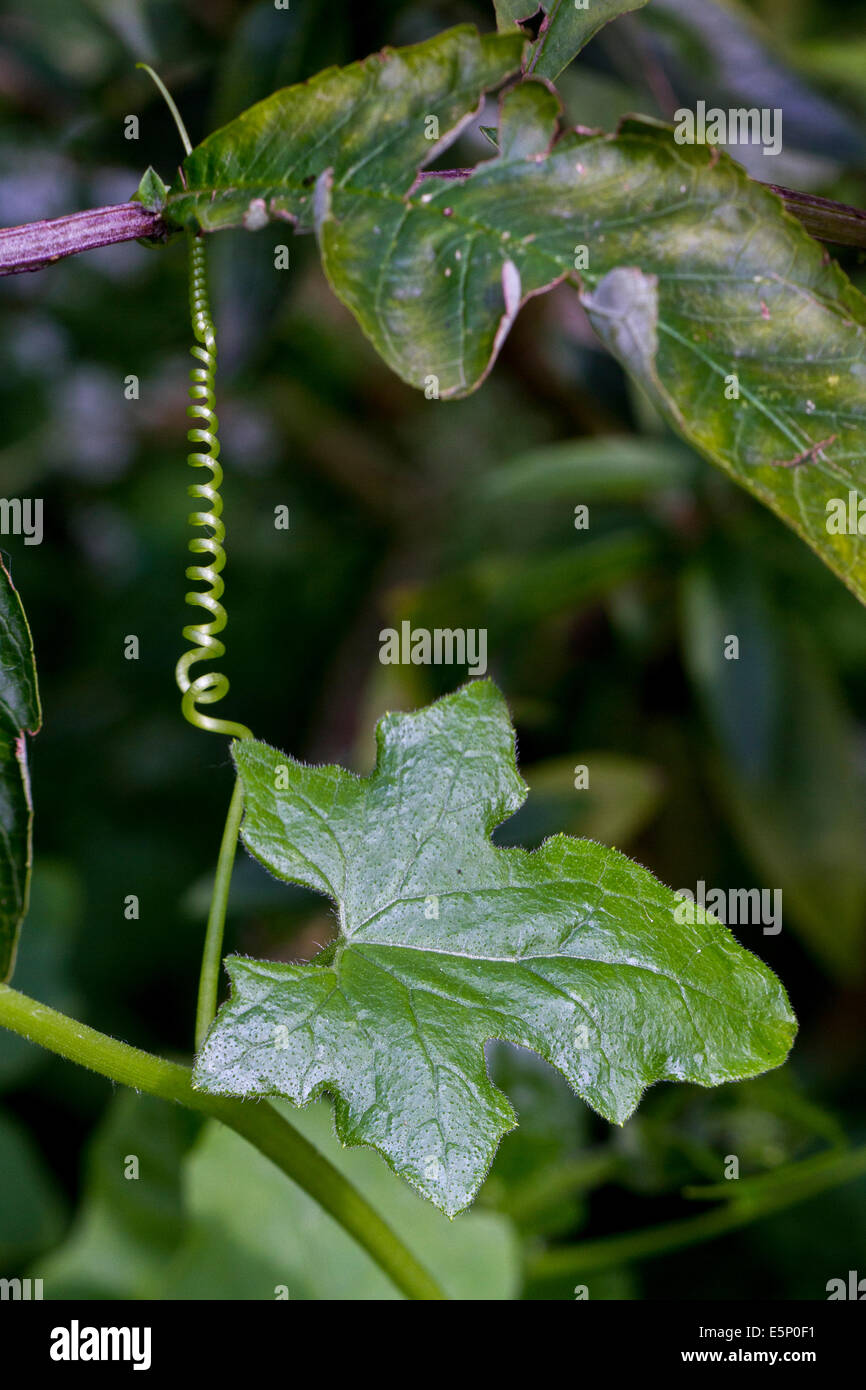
(369, 127)
(446, 941)
(748, 337)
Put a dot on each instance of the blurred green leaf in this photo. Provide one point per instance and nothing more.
(838, 59)
(218, 1220)
(787, 769)
(131, 1217)
(129, 20)
(688, 1136)
(20, 713)
(44, 966)
(821, 1242)
(562, 580)
(509, 595)
(532, 1179)
(621, 796)
(719, 51)
(32, 1209)
(271, 48)
(622, 468)
(253, 1233)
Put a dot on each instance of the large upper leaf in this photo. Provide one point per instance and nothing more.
(564, 30)
(695, 276)
(372, 125)
(19, 712)
(446, 941)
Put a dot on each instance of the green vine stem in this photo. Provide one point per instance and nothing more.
(208, 986)
(260, 1124)
(764, 1196)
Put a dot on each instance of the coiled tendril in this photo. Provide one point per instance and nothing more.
(210, 687)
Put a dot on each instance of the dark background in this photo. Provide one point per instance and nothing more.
(606, 643)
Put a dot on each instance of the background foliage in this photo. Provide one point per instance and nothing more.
(606, 643)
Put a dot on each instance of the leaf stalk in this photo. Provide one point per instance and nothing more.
(213, 943)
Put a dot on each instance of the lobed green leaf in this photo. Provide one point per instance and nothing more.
(446, 941)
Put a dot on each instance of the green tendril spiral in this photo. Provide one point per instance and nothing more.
(211, 686)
